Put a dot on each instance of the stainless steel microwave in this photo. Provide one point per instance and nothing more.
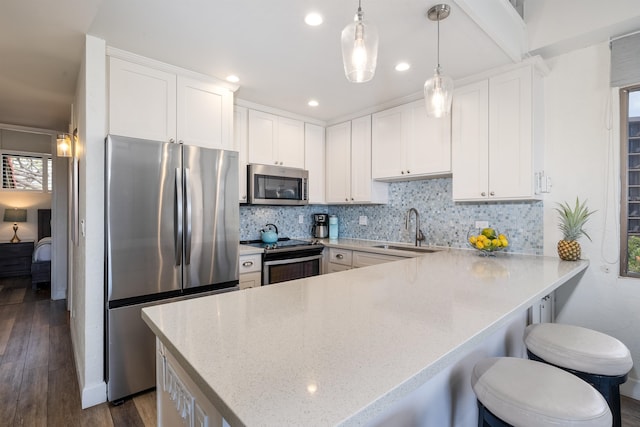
(277, 185)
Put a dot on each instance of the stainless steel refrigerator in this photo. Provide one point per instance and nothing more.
(172, 232)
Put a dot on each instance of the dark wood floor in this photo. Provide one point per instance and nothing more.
(38, 383)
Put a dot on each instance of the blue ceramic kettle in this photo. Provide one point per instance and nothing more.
(269, 235)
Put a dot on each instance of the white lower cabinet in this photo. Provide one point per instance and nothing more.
(180, 402)
(345, 259)
(250, 269)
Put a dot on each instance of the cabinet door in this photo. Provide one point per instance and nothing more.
(427, 147)
(470, 139)
(290, 143)
(361, 159)
(262, 137)
(204, 114)
(241, 144)
(314, 161)
(386, 141)
(510, 135)
(250, 280)
(142, 101)
(338, 163)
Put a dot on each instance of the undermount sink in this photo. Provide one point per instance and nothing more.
(407, 248)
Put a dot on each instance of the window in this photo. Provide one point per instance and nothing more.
(630, 170)
(26, 172)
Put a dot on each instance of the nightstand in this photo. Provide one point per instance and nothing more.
(15, 259)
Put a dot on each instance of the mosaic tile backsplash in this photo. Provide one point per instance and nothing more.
(443, 222)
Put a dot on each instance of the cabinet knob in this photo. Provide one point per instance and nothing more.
(339, 256)
(346, 199)
(401, 172)
(492, 193)
(171, 140)
(180, 142)
(281, 163)
(247, 263)
(408, 171)
(483, 194)
(352, 199)
(275, 163)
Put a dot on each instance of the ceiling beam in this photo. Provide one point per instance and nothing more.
(501, 22)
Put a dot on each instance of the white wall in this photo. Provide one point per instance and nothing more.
(582, 157)
(87, 307)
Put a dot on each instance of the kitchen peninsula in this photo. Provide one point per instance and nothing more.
(352, 347)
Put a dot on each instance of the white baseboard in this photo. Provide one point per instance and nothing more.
(90, 395)
(631, 388)
(94, 394)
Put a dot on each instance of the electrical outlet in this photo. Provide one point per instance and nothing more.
(300, 219)
(482, 224)
(362, 220)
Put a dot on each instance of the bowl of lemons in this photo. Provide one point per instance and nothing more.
(488, 241)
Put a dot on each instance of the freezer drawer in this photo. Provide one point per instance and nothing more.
(130, 364)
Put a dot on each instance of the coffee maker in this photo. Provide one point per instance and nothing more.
(320, 227)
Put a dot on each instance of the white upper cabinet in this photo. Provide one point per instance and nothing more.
(314, 161)
(154, 104)
(142, 101)
(240, 123)
(406, 144)
(205, 114)
(496, 128)
(275, 140)
(348, 164)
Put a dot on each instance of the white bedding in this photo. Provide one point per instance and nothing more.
(42, 251)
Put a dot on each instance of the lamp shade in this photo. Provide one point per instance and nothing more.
(15, 215)
(359, 50)
(63, 145)
(438, 94)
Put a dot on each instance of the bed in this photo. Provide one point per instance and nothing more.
(41, 261)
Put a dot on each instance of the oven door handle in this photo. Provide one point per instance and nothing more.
(292, 260)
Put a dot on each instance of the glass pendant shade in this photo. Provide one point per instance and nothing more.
(438, 94)
(359, 50)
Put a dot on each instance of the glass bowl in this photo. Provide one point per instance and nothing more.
(487, 241)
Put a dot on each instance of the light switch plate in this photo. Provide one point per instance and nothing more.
(363, 220)
(482, 224)
(300, 219)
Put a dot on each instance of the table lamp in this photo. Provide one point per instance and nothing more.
(15, 216)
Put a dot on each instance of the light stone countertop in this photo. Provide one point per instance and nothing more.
(338, 349)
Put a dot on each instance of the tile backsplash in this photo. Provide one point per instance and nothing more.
(443, 222)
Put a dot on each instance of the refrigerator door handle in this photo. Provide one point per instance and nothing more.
(177, 217)
(187, 222)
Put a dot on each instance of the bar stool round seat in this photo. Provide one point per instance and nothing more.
(525, 393)
(597, 358)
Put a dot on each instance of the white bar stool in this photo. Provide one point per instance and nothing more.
(597, 358)
(525, 393)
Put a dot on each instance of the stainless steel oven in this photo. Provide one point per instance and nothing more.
(289, 259)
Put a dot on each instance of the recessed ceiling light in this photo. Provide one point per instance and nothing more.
(233, 78)
(314, 19)
(313, 103)
(402, 66)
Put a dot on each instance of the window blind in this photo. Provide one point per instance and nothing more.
(625, 61)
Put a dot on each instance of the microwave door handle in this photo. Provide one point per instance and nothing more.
(177, 217)
(187, 192)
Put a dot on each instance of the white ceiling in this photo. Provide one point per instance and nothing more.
(280, 60)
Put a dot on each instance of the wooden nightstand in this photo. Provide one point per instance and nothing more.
(15, 259)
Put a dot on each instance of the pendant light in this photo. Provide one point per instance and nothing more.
(359, 49)
(438, 90)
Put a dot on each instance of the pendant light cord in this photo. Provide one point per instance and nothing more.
(438, 50)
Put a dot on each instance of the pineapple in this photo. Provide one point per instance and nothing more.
(571, 224)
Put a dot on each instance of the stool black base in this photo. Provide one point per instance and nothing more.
(487, 419)
(608, 386)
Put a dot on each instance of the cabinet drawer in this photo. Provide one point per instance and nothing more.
(340, 256)
(334, 268)
(250, 263)
(250, 280)
(365, 259)
(12, 250)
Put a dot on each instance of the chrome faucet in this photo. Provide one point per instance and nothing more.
(419, 235)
